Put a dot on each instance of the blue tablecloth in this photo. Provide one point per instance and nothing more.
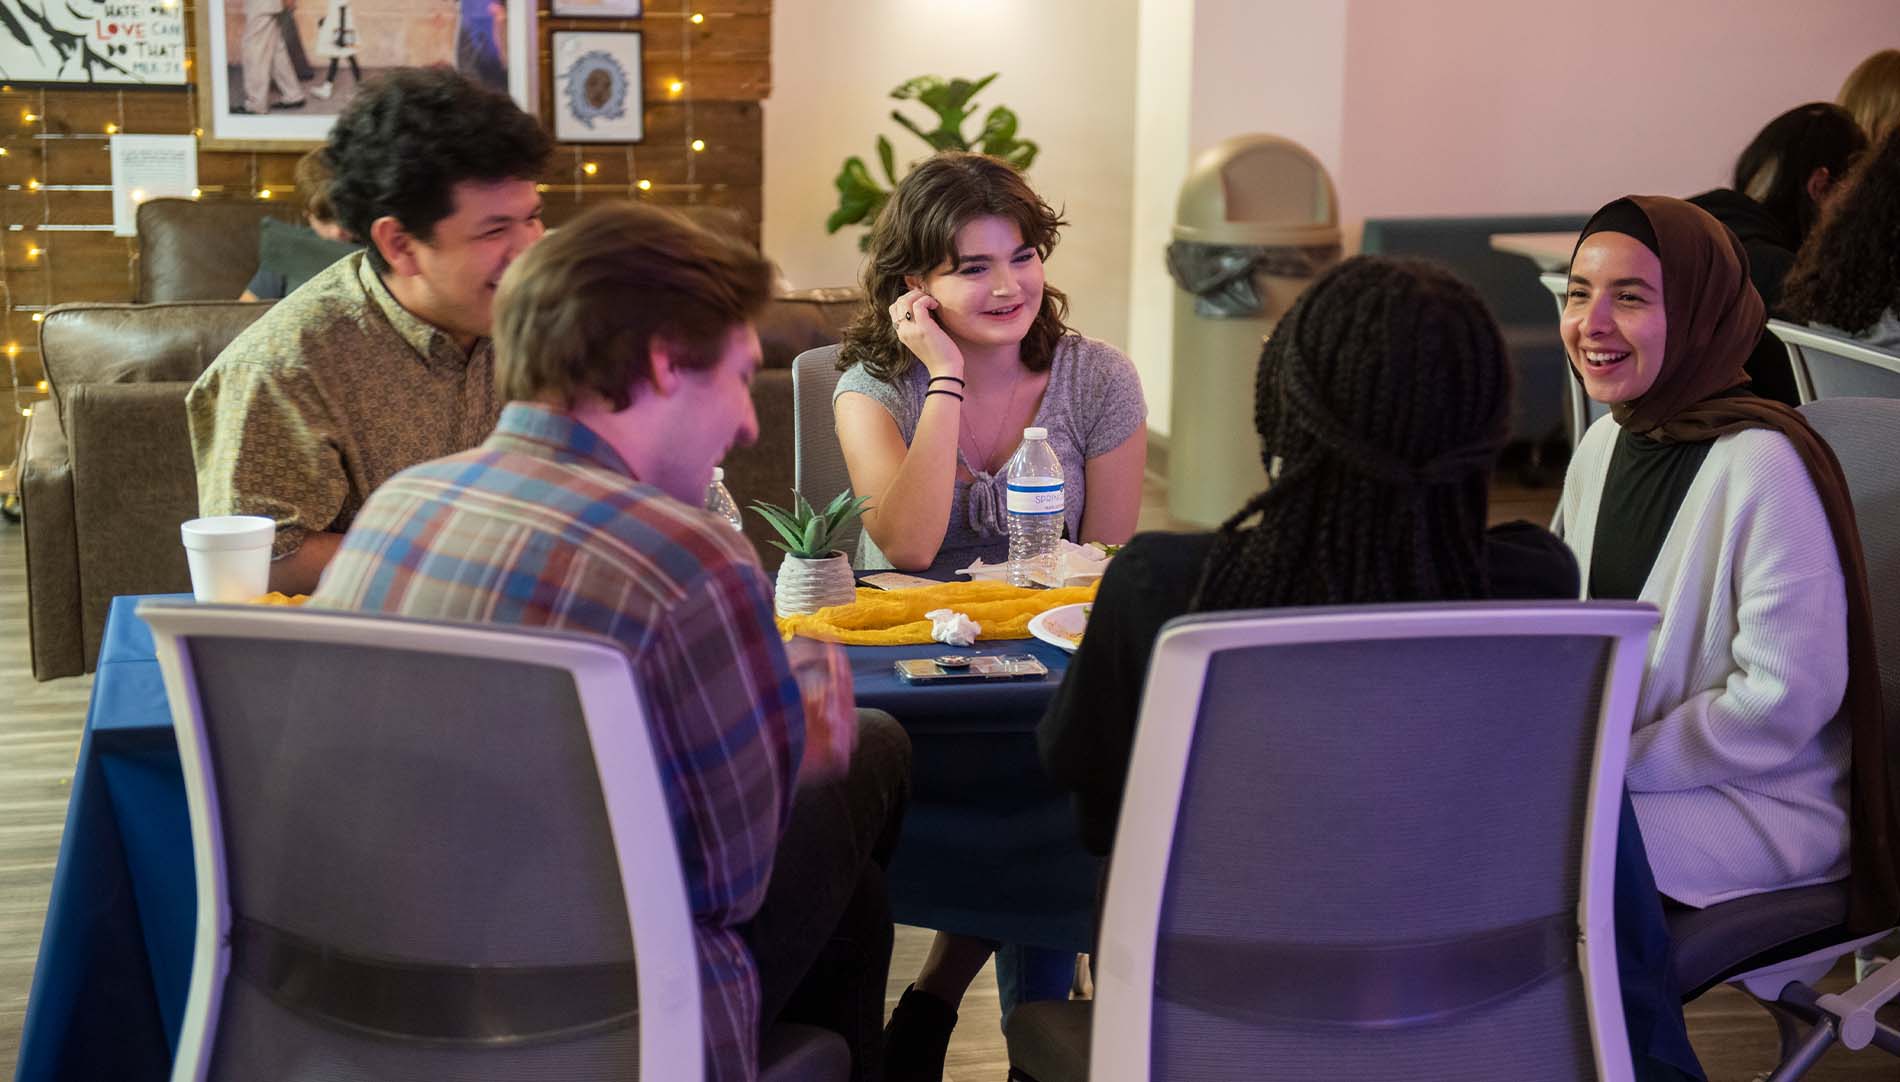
(989, 849)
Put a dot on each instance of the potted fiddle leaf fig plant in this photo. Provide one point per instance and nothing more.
(814, 574)
(861, 196)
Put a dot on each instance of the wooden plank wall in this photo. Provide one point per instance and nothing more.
(56, 242)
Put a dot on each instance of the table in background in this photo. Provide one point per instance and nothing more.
(989, 849)
(1550, 251)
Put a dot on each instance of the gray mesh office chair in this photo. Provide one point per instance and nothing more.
(1369, 843)
(818, 461)
(1829, 366)
(431, 851)
(1776, 946)
(1580, 410)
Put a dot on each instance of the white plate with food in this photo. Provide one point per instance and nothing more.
(1062, 626)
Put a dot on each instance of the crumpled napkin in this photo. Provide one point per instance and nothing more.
(1075, 565)
(952, 627)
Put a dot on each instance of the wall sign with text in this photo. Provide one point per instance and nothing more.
(93, 42)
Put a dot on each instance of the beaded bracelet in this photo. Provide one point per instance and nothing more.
(940, 390)
(959, 379)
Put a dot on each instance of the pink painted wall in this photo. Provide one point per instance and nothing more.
(1506, 106)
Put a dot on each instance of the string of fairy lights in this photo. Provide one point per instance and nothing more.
(31, 298)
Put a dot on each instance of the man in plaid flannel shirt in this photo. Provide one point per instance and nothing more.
(625, 347)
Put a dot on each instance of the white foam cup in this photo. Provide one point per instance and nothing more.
(229, 556)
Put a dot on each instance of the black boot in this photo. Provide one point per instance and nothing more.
(917, 1037)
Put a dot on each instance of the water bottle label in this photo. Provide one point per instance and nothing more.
(1033, 496)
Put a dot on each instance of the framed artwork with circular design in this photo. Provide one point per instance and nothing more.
(596, 86)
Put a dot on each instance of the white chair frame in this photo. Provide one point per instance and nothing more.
(1121, 1034)
(671, 1037)
(1798, 339)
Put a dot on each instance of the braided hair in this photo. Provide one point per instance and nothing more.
(1384, 395)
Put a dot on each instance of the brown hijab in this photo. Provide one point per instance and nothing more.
(1714, 320)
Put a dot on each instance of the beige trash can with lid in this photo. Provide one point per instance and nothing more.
(1255, 222)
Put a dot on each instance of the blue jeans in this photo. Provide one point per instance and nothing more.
(1028, 974)
(1652, 1004)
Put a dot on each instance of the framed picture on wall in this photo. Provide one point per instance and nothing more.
(597, 9)
(274, 74)
(95, 43)
(596, 86)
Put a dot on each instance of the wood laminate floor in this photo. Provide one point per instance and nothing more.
(39, 738)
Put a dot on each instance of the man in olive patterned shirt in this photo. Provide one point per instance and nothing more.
(383, 360)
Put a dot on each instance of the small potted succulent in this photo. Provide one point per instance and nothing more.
(814, 574)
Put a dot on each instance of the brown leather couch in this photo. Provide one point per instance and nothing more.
(107, 473)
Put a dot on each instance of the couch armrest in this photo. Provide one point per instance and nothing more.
(133, 483)
(52, 551)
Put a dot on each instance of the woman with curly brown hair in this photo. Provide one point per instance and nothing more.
(959, 347)
(1846, 278)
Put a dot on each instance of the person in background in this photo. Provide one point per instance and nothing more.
(1872, 93)
(1846, 279)
(336, 39)
(1782, 181)
(382, 360)
(959, 347)
(266, 60)
(626, 346)
(288, 257)
(481, 42)
(1729, 514)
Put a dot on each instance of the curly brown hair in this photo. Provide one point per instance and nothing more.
(917, 232)
(1847, 274)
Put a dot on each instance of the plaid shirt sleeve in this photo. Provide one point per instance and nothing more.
(725, 703)
(260, 440)
(731, 728)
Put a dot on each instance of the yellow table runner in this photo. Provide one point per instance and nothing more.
(896, 617)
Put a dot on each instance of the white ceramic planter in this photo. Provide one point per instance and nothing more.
(805, 586)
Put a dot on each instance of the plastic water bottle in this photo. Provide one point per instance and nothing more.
(720, 502)
(1035, 509)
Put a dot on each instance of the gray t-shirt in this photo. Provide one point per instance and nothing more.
(1092, 405)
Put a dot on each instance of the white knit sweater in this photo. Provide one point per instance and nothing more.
(1738, 762)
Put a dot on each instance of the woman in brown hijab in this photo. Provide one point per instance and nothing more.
(1759, 736)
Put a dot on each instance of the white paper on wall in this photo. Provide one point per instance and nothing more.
(146, 167)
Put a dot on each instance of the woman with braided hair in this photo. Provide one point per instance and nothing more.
(1381, 400)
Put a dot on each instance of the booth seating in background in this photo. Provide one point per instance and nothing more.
(1508, 284)
(202, 249)
(107, 475)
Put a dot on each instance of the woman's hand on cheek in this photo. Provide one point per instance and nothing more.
(924, 336)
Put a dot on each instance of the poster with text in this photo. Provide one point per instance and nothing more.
(93, 42)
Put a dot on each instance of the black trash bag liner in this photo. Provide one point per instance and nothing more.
(1221, 276)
